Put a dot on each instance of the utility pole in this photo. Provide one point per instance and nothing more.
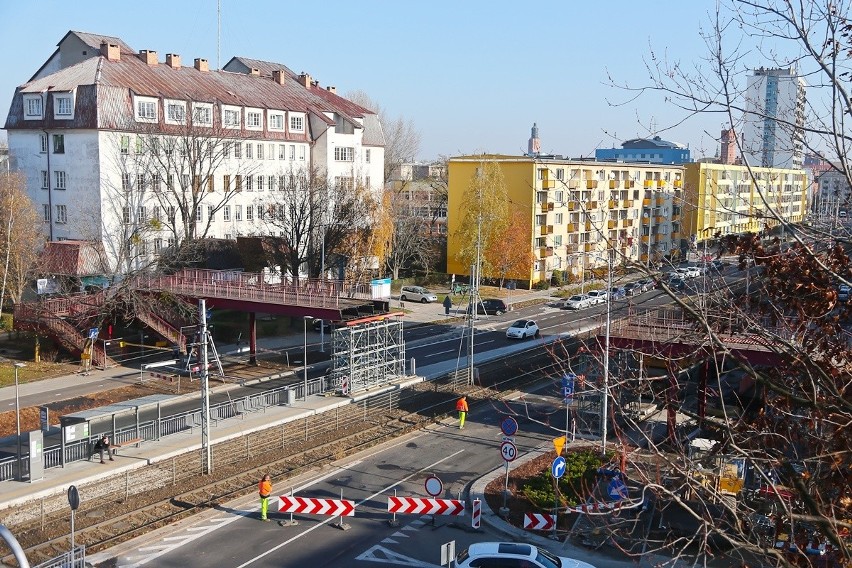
(605, 394)
(206, 449)
(474, 299)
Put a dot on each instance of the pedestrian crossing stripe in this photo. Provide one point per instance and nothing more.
(382, 555)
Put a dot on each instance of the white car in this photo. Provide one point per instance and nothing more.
(597, 296)
(688, 272)
(522, 329)
(513, 555)
(577, 302)
(417, 294)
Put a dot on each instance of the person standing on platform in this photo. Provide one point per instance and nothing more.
(461, 406)
(264, 489)
(447, 304)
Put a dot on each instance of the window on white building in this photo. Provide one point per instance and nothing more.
(156, 214)
(45, 179)
(226, 213)
(271, 183)
(253, 119)
(140, 182)
(238, 212)
(45, 212)
(141, 214)
(260, 183)
(367, 155)
(158, 245)
(344, 154)
(146, 109)
(202, 114)
(260, 212)
(559, 218)
(260, 151)
(297, 123)
(155, 182)
(176, 112)
(33, 107)
(231, 117)
(62, 107)
(249, 183)
(58, 143)
(301, 153)
(199, 214)
(42, 138)
(292, 151)
(249, 213)
(249, 151)
(61, 214)
(276, 120)
(59, 178)
(282, 151)
(124, 145)
(238, 149)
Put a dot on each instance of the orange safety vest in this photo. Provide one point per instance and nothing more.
(461, 405)
(264, 488)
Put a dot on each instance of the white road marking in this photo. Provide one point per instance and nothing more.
(386, 556)
(326, 521)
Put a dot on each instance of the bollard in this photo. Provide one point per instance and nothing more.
(340, 524)
(413, 367)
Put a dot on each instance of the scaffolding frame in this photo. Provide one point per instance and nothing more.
(367, 355)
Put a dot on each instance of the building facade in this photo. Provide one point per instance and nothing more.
(577, 211)
(724, 199)
(107, 136)
(651, 150)
(833, 195)
(774, 119)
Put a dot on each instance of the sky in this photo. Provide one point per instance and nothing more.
(472, 75)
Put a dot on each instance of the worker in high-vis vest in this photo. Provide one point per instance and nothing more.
(264, 489)
(461, 406)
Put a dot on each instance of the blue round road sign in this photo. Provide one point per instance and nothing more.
(557, 470)
(617, 489)
(509, 426)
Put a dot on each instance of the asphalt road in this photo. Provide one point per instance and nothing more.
(233, 536)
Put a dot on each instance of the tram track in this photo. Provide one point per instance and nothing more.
(107, 522)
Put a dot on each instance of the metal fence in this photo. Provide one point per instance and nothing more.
(162, 427)
(72, 559)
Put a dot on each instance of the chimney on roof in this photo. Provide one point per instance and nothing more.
(254, 71)
(279, 76)
(148, 56)
(110, 51)
(331, 89)
(173, 60)
(305, 80)
(201, 64)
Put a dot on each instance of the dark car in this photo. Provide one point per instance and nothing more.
(633, 289)
(490, 307)
(646, 283)
(617, 293)
(326, 325)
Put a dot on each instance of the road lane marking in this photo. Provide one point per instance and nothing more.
(328, 520)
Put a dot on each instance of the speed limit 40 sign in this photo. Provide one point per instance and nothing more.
(508, 451)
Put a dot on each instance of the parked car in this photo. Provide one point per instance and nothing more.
(843, 293)
(618, 293)
(633, 289)
(676, 283)
(513, 555)
(490, 307)
(688, 272)
(597, 296)
(577, 302)
(417, 294)
(522, 329)
(647, 284)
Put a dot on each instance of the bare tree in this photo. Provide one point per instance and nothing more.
(402, 138)
(22, 239)
(409, 242)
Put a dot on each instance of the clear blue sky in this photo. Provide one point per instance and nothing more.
(472, 75)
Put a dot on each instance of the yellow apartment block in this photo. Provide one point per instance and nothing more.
(577, 210)
(726, 199)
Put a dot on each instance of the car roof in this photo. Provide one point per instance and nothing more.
(480, 548)
(520, 323)
(578, 296)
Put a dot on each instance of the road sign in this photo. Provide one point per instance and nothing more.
(539, 521)
(557, 470)
(308, 506)
(93, 333)
(509, 426)
(420, 506)
(434, 486)
(558, 444)
(44, 418)
(568, 381)
(508, 451)
(448, 553)
(73, 497)
(476, 514)
(617, 489)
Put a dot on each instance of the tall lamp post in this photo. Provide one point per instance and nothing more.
(605, 394)
(305, 369)
(18, 419)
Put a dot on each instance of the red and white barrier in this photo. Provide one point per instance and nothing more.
(476, 514)
(419, 506)
(308, 506)
(539, 521)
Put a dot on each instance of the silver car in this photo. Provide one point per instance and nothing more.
(417, 294)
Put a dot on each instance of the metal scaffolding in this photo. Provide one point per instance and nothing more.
(367, 355)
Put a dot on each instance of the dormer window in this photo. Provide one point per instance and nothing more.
(175, 112)
(231, 117)
(63, 106)
(146, 109)
(202, 114)
(276, 120)
(33, 108)
(254, 119)
(297, 123)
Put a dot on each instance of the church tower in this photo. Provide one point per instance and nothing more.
(534, 145)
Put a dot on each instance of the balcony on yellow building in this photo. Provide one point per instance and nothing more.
(675, 235)
(613, 183)
(661, 182)
(613, 203)
(649, 183)
(574, 184)
(629, 184)
(591, 184)
(544, 252)
(646, 239)
(643, 257)
(627, 203)
(661, 201)
(589, 247)
(572, 227)
(659, 220)
(572, 247)
(646, 203)
(547, 206)
(548, 183)
(591, 205)
(678, 183)
(590, 226)
(627, 223)
(571, 205)
(612, 224)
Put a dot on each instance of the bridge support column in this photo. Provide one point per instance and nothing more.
(252, 339)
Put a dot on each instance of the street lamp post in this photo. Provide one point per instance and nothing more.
(605, 401)
(305, 369)
(18, 420)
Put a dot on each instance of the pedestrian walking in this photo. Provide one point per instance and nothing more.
(447, 304)
(104, 444)
(461, 406)
(264, 489)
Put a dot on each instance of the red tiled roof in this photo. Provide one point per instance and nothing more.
(72, 258)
